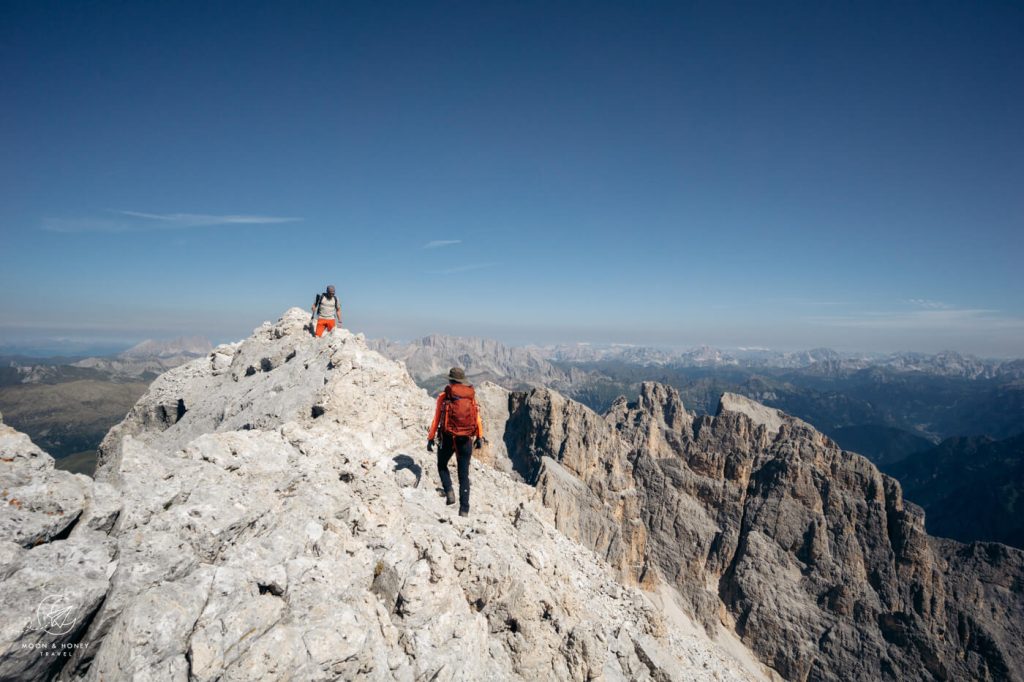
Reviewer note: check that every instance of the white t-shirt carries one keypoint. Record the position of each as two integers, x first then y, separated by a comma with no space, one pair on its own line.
327,308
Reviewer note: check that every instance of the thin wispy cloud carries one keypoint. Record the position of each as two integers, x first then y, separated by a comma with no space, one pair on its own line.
929,304
438,243
203,219
138,221
461,268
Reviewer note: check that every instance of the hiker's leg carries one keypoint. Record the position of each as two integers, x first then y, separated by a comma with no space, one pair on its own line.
463,458
320,324
444,453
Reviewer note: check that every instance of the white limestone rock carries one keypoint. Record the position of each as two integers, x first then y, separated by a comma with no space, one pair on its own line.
278,517
762,415
54,571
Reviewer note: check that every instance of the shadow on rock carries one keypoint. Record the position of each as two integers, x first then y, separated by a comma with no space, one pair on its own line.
405,463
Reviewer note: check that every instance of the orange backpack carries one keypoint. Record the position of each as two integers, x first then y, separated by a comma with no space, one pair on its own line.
460,410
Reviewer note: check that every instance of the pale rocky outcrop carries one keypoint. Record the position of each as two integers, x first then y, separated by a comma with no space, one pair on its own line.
269,512
770,418
55,558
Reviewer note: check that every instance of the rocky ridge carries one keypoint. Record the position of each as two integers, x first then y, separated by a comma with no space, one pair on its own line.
56,556
268,511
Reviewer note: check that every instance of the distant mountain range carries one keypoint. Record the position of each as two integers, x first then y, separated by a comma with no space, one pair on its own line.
143,361
824,361
429,359
926,396
150,358
894,409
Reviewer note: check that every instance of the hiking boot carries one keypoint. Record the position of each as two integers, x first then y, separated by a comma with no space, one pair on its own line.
449,496
463,512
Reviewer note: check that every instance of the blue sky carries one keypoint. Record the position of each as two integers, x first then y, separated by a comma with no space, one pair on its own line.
788,175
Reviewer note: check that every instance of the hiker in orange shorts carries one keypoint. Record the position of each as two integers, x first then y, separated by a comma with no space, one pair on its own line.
326,309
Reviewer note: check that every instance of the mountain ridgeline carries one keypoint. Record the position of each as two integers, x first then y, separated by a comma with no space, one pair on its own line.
889,408
882,402
268,512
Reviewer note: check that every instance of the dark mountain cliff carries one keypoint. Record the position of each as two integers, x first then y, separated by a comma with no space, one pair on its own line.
970,488
765,524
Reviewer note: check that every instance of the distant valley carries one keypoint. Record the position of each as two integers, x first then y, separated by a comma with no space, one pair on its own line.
67,405
970,488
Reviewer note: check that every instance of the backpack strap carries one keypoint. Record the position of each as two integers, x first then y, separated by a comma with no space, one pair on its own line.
448,398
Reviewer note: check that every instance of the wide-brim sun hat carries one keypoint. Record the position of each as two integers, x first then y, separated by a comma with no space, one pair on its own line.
457,374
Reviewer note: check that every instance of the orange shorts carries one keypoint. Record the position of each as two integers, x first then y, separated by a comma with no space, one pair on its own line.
324,324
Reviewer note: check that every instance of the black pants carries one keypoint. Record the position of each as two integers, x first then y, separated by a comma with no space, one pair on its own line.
463,449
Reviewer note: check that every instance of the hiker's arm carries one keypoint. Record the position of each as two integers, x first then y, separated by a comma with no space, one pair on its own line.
479,441
337,307
437,418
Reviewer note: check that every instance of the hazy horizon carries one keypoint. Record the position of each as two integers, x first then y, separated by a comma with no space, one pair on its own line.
792,176
71,345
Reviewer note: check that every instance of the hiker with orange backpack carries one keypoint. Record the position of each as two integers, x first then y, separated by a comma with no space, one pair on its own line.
457,416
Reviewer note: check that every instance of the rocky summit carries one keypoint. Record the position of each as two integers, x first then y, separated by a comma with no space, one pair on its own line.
269,512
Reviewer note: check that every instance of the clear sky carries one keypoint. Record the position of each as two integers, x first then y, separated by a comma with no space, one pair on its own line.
777,174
